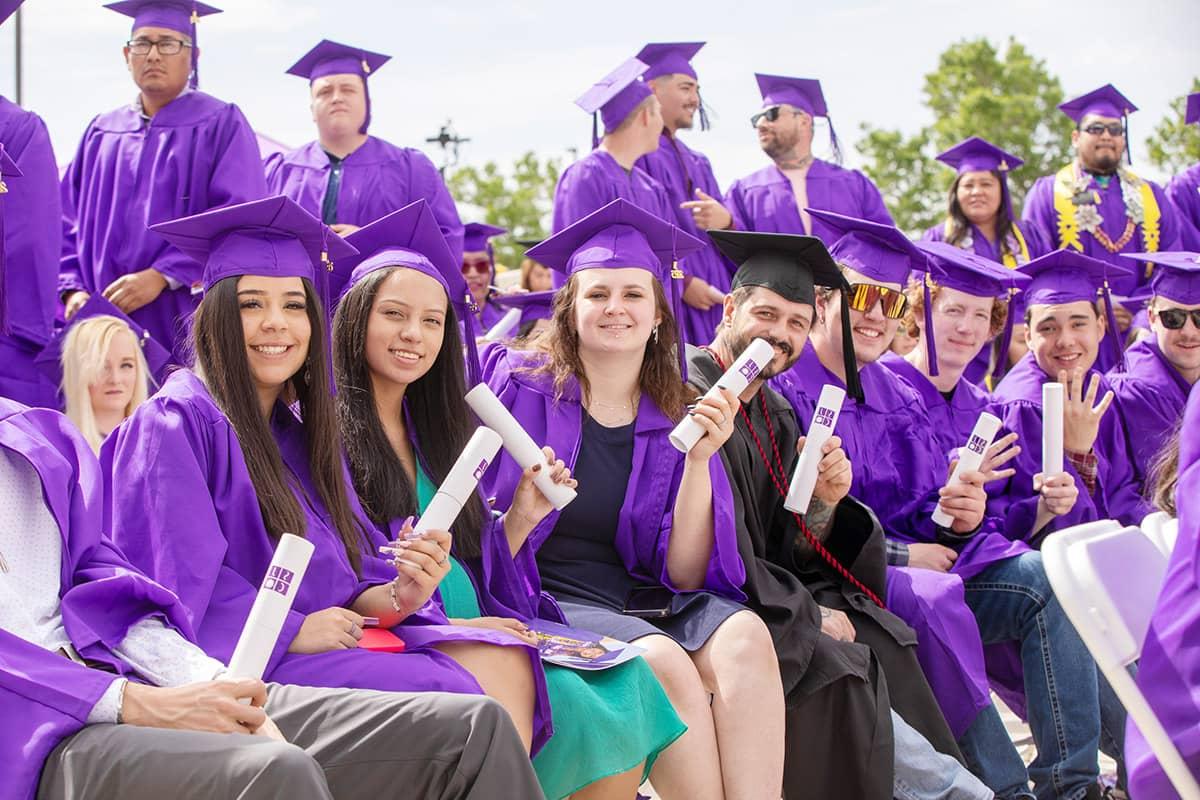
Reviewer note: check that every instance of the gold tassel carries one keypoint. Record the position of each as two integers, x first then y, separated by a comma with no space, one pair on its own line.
676,272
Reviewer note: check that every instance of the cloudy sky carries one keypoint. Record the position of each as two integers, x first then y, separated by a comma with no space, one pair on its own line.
507,78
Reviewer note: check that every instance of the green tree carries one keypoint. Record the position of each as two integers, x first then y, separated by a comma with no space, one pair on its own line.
1008,98
1175,145
520,199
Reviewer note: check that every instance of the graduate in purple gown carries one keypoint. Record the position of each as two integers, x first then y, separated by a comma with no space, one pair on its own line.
1065,331
1168,671
479,271
1184,188
651,530
347,177
1157,373
688,179
1097,206
963,587
775,199
173,151
632,122
980,220
536,310
211,470
31,230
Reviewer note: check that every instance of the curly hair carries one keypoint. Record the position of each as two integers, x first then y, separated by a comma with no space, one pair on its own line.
916,309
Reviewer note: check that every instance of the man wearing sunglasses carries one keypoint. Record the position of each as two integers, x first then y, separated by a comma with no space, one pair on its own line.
1158,372
174,151
1097,206
957,604
775,199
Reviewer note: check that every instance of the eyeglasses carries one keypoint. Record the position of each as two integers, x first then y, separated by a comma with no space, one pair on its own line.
1098,128
771,114
166,47
1175,318
864,296
477,265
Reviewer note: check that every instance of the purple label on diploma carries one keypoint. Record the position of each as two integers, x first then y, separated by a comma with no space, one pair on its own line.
824,417
977,444
482,468
279,580
749,370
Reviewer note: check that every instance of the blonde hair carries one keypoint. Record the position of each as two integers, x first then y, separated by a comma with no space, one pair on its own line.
84,350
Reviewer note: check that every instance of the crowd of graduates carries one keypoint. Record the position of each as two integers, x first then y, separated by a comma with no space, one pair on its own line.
248,347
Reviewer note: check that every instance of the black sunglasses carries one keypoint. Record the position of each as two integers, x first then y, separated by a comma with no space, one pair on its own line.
770,115
1098,128
1175,318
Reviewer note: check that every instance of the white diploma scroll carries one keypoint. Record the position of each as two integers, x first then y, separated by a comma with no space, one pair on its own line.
271,607
472,462
1052,429
518,443
970,457
736,379
824,418
504,328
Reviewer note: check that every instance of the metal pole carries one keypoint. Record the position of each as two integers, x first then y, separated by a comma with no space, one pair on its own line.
17,28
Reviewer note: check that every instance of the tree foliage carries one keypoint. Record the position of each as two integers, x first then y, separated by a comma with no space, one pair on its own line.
1008,98
1175,145
519,199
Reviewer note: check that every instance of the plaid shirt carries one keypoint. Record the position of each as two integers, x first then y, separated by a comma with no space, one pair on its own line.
897,553
1087,465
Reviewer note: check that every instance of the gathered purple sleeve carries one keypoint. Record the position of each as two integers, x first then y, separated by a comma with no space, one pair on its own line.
873,207
69,275
427,182
735,205
1170,232
1038,216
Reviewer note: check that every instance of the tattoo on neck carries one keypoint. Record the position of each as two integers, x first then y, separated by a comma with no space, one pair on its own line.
794,161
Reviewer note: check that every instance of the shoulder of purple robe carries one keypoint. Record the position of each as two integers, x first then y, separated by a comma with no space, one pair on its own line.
179,501
739,192
582,188
934,233
1038,216
869,199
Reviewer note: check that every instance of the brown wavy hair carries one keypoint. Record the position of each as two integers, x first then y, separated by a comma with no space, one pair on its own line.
219,348
916,309
1164,474
659,378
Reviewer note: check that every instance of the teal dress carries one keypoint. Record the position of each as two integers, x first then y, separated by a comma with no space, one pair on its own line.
605,722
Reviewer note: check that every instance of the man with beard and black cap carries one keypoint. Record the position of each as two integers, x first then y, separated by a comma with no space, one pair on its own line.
817,581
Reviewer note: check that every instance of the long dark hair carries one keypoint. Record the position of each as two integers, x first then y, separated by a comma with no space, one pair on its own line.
441,421
659,377
960,226
220,353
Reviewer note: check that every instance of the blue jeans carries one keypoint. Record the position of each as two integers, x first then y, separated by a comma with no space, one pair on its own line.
991,754
923,773
1012,601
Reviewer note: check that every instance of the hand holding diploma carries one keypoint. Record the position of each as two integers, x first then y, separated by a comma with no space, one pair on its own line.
529,504
421,562
834,471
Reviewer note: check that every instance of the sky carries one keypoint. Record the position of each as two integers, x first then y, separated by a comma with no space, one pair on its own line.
506,74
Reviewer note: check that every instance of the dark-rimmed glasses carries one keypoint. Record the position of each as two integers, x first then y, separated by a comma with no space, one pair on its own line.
1175,318
166,47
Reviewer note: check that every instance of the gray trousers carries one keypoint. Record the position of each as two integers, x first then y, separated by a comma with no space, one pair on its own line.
340,744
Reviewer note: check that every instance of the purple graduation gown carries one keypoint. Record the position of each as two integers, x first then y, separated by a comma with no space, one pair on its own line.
1151,395
32,240
183,508
898,470
377,178
45,697
1040,218
1184,191
681,171
195,154
1019,400
644,528
1169,669
764,201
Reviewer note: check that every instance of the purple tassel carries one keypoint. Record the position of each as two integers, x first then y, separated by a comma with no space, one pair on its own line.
704,121
3,266
675,291
1000,365
930,345
595,130
194,79
833,141
467,309
1114,333
1128,149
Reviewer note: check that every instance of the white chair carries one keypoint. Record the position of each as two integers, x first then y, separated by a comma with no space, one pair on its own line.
1107,579
1162,529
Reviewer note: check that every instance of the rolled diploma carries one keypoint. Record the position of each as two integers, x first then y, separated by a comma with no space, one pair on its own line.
1052,429
970,457
824,419
518,443
507,324
736,379
271,607
472,462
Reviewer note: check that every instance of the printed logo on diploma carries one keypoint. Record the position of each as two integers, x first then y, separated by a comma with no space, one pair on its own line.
824,417
279,580
977,444
749,370
482,468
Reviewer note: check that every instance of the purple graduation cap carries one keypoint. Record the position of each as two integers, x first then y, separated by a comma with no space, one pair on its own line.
975,154
332,58
955,268
1066,276
8,8
533,305
621,235
1104,102
1192,115
802,93
673,58
180,16
477,238
1177,277
878,251
614,97
8,169
410,237
49,360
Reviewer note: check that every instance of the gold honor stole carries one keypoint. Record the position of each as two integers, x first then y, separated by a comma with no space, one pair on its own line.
1008,259
1064,209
